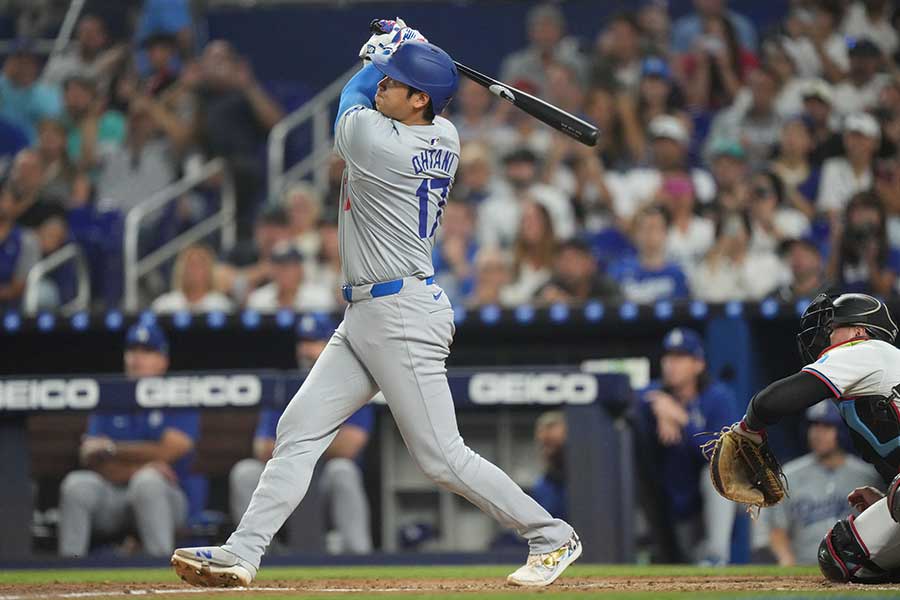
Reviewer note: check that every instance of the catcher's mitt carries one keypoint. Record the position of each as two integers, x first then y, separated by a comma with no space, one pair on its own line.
743,470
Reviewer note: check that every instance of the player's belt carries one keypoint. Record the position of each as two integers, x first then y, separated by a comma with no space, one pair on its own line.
355,293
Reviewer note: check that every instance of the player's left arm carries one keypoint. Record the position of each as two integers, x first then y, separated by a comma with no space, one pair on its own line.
359,91
787,396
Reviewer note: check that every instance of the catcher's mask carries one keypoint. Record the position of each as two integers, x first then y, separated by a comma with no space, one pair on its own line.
824,314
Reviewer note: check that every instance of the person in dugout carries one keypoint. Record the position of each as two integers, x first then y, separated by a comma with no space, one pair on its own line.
136,465
341,480
671,412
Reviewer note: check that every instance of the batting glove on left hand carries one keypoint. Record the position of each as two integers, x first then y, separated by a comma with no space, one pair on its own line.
387,35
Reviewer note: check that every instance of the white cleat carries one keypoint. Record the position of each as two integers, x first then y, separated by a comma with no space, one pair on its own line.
211,566
544,569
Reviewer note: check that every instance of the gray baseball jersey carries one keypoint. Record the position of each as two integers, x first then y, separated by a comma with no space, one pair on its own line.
818,499
395,187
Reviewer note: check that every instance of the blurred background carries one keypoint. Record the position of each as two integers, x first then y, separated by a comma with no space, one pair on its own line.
168,208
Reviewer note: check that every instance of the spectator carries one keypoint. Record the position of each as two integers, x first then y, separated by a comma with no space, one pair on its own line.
454,251
327,273
549,490
23,100
341,479
818,98
772,219
232,117
814,43
690,235
715,67
807,277
520,130
170,16
565,88
91,54
689,29
143,166
576,278
671,413
61,179
34,204
756,124
499,217
653,18
94,133
303,205
640,186
793,167
135,464
616,149
844,176
534,252
19,251
658,95
493,272
162,52
871,19
730,271
730,173
249,265
861,259
474,121
192,284
859,91
818,483
546,28
617,60
475,181
650,276
290,289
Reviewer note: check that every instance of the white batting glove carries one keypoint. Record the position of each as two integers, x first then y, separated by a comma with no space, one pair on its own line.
387,35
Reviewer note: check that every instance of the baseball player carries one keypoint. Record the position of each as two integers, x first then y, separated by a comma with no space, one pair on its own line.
341,480
848,345
397,328
819,483
136,464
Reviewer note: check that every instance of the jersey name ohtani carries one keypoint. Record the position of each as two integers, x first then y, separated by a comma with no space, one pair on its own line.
434,158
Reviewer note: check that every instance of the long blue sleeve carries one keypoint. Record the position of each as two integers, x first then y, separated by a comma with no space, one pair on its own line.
359,90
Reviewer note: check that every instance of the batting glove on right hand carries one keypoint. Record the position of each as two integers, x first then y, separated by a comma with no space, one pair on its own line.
387,35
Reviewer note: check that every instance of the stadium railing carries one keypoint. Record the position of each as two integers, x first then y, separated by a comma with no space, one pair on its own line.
319,113
38,273
223,220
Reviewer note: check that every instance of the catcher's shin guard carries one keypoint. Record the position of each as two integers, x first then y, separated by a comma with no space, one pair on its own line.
844,559
893,501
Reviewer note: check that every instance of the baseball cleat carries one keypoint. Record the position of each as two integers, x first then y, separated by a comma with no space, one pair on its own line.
544,569
211,566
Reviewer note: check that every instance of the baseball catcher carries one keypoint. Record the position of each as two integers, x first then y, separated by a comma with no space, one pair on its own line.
848,344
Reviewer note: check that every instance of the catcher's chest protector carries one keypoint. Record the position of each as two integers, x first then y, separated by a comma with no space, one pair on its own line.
874,423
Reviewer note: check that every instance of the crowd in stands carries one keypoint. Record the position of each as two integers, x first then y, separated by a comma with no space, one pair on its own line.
737,161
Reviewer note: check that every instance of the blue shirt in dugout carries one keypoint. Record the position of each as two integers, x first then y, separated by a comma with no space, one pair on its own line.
364,418
148,426
649,285
681,466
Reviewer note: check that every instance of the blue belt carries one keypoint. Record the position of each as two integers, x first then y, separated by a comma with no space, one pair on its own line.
378,290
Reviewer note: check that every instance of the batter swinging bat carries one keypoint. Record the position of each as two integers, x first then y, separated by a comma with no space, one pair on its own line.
543,111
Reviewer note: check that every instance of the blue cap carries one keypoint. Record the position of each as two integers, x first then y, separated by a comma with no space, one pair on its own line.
147,336
684,341
824,412
315,326
422,66
654,66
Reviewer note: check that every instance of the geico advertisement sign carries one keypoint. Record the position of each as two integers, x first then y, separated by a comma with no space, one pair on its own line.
207,390
533,388
49,394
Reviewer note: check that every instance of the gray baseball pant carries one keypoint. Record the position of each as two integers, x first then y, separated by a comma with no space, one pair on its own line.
341,482
397,344
91,504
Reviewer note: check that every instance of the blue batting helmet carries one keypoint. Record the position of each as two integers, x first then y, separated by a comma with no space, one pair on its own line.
422,66
315,327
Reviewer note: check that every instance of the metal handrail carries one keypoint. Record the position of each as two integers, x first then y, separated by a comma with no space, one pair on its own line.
224,219
318,110
55,46
45,266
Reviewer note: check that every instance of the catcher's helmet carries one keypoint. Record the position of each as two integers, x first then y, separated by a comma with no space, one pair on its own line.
422,66
824,314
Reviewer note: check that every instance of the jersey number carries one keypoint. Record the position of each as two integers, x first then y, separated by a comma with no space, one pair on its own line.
422,194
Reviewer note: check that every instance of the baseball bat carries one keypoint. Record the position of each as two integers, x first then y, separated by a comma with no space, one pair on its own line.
545,112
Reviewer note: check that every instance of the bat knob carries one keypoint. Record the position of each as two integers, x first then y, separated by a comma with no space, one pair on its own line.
374,26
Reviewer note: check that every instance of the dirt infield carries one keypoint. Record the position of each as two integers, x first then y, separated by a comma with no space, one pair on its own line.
330,587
